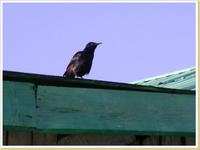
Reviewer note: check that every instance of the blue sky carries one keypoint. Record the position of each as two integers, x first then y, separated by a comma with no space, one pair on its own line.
140,40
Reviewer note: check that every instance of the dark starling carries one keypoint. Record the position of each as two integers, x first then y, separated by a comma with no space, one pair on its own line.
81,62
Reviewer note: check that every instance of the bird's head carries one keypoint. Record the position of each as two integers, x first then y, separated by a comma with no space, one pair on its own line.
92,45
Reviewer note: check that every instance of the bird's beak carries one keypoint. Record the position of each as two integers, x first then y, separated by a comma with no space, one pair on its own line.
99,43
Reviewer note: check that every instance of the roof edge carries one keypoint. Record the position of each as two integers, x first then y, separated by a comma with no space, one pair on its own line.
163,75
50,80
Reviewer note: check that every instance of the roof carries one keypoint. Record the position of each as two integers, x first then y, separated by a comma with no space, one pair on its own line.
182,79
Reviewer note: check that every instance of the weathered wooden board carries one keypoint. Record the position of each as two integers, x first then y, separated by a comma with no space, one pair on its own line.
72,110
86,110
18,105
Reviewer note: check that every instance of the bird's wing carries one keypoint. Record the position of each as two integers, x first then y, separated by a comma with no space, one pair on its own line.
70,68
75,58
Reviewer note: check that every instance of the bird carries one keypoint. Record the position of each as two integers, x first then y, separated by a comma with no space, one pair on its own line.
81,62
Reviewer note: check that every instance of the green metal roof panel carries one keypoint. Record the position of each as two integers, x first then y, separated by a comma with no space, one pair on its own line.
183,79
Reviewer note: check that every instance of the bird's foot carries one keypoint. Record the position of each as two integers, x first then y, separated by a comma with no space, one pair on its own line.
79,77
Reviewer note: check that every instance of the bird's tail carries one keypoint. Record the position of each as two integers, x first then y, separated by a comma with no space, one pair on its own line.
67,74
64,75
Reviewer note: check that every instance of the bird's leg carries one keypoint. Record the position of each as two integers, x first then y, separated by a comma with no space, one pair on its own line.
79,77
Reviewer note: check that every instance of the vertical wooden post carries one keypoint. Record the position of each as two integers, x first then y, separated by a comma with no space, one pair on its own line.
19,138
5,137
190,140
44,139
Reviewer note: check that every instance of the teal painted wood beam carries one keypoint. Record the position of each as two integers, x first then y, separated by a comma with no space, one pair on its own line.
51,104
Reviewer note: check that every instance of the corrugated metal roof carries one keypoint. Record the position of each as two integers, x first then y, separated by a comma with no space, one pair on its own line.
182,79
